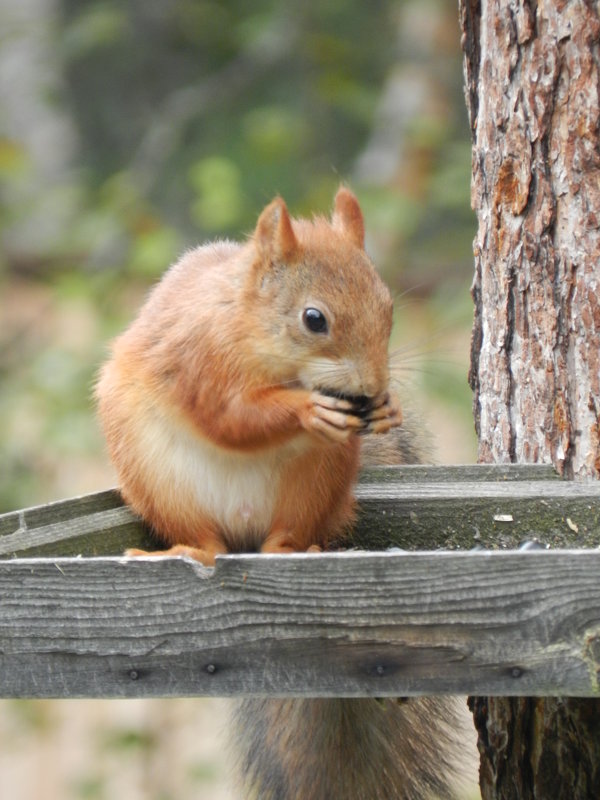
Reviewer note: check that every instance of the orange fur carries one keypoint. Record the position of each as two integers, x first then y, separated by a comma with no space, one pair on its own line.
218,402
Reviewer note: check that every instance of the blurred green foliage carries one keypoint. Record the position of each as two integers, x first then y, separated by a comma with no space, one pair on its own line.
134,130
131,130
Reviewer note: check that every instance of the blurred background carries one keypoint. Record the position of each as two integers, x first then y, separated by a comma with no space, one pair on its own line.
132,129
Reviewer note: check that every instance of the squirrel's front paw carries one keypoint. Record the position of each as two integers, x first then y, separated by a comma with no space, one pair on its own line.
332,418
384,415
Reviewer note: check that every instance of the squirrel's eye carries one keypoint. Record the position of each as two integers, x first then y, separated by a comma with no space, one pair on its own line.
314,320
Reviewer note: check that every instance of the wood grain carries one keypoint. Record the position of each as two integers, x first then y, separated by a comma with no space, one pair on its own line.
455,473
463,515
345,624
416,507
91,525
349,624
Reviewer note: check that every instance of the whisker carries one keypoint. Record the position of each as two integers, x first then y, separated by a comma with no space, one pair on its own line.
431,360
430,338
423,370
424,345
410,291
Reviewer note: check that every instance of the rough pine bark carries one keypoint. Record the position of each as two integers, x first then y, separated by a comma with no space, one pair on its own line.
532,89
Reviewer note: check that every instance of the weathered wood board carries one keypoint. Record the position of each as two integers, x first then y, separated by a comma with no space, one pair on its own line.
344,624
77,619
93,525
492,514
416,507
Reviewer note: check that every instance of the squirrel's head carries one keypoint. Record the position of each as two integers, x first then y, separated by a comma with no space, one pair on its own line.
323,313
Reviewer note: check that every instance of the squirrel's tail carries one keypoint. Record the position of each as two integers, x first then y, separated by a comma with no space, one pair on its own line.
352,749
346,749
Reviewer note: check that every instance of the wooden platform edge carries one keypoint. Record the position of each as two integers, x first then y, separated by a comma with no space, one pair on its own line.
412,507
344,624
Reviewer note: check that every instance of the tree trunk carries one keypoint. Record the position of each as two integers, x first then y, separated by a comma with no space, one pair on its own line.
532,89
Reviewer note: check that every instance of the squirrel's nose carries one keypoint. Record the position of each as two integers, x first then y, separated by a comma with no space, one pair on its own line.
376,383
373,388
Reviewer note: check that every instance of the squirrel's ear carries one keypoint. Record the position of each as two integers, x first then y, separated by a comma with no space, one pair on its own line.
347,216
274,234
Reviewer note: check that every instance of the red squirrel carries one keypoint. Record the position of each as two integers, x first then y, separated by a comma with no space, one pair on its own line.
235,409
233,403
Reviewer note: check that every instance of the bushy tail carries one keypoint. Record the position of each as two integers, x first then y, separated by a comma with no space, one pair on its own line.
346,749
358,749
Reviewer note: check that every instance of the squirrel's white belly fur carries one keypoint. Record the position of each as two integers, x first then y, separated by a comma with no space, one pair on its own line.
237,490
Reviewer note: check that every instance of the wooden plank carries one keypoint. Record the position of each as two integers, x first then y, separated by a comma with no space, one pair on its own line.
455,473
395,511
91,525
369,624
60,510
491,514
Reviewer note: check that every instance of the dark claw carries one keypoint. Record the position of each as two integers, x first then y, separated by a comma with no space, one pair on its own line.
361,404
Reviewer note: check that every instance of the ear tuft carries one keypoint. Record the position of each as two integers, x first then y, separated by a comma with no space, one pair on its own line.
274,235
347,216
